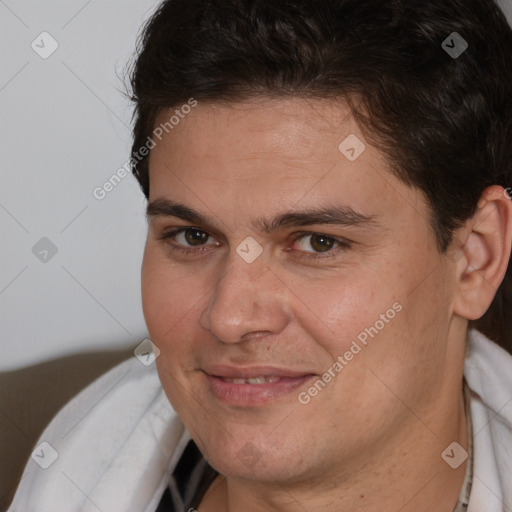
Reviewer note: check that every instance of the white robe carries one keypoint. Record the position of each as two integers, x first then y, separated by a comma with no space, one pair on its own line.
119,439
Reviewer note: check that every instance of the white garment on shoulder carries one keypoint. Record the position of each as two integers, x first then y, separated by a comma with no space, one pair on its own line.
118,440
115,441
488,371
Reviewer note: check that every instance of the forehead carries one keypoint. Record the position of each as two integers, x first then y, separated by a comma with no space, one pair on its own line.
286,129
267,153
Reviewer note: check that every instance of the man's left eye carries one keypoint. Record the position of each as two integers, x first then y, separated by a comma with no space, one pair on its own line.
192,237
317,242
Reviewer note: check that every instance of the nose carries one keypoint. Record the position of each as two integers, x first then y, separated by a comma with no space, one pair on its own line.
248,299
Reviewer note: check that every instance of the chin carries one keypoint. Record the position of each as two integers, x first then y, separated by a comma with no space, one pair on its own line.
254,457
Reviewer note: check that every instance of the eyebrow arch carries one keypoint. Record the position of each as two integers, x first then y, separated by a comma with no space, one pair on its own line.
166,208
338,215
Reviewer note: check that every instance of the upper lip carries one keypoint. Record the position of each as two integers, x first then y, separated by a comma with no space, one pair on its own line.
247,372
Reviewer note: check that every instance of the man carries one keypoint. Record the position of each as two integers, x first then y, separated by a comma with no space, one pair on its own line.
328,216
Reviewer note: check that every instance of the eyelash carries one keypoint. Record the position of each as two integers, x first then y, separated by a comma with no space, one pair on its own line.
342,244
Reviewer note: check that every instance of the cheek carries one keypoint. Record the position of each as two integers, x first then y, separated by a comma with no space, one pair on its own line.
338,310
169,297
374,322
407,357
170,309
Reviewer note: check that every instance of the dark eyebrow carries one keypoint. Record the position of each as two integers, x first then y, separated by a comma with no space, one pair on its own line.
167,208
339,215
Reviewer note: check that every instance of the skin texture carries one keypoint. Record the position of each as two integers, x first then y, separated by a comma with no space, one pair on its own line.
372,438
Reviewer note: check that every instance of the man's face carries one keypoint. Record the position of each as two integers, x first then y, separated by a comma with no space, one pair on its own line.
218,310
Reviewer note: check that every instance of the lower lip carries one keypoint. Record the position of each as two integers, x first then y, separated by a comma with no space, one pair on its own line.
253,394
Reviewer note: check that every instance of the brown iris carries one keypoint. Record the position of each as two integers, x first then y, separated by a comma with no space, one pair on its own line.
195,236
321,243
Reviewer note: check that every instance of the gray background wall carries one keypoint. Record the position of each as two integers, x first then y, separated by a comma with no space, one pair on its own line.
64,130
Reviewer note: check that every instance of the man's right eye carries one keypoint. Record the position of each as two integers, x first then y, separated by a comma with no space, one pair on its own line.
185,239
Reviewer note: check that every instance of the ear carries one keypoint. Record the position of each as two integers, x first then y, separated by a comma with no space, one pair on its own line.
485,253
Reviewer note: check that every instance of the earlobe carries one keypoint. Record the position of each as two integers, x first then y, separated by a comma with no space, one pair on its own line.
487,249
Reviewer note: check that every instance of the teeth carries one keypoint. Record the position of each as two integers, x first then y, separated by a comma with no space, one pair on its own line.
256,380
253,380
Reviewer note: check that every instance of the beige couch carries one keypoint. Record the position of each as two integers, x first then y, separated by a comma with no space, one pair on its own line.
31,396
